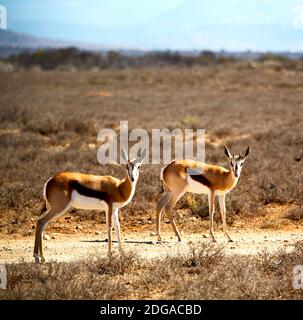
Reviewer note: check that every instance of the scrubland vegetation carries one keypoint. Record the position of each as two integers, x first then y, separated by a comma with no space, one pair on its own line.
49,120
204,272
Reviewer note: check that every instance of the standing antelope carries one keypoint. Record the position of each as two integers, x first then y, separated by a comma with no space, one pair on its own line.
90,192
182,176
299,158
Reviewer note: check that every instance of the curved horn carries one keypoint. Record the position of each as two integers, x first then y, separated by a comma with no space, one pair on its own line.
227,153
141,159
124,155
143,155
246,153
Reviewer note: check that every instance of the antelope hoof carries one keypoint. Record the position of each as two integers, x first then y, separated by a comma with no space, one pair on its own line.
37,258
209,237
213,238
229,239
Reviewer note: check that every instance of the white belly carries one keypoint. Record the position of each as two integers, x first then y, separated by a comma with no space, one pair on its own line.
87,203
196,187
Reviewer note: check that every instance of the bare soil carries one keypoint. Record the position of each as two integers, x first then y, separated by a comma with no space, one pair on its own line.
74,247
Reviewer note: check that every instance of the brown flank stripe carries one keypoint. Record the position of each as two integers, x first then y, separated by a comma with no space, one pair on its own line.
201,179
88,192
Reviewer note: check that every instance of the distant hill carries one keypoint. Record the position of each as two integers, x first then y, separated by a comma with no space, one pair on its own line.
14,43
11,39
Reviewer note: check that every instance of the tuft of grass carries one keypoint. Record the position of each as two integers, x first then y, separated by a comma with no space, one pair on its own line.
200,272
116,265
190,121
295,214
196,205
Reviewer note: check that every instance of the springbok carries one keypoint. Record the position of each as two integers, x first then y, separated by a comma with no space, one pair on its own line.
299,158
181,176
88,192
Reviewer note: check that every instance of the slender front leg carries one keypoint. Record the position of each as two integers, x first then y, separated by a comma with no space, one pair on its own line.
117,228
38,250
160,206
173,200
109,214
158,224
223,215
211,205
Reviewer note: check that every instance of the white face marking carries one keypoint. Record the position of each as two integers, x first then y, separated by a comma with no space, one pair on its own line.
133,166
133,169
236,164
136,171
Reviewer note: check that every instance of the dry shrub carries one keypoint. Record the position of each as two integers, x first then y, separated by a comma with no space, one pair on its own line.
50,124
223,132
190,121
197,205
204,255
201,272
266,276
158,274
89,279
116,265
295,214
200,255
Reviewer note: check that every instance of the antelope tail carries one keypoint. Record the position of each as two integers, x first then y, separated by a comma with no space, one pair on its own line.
161,179
43,207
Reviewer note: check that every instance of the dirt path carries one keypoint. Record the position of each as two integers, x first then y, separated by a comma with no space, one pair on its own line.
76,247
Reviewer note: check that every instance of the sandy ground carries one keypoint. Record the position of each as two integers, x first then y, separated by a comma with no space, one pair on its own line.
76,247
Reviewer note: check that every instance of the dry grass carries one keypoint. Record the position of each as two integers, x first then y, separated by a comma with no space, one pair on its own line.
203,272
49,122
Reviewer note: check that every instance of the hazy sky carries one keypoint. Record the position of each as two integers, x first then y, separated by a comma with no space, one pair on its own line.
163,24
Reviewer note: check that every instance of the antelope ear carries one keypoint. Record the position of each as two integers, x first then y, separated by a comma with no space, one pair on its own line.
124,155
227,153
246,153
